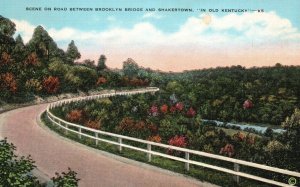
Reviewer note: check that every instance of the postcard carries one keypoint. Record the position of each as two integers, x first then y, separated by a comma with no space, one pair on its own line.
149,93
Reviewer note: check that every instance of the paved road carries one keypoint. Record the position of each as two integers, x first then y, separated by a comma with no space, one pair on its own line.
53,153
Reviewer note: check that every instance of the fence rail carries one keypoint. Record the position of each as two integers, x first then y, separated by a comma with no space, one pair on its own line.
149,151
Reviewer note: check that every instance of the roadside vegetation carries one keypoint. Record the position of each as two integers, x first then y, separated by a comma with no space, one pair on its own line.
16,170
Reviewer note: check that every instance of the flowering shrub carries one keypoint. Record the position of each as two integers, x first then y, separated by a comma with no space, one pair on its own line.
155,138
179,106
75,116
101,80
173,109
153,110
191,112
51,84
178,141
93,124
164,108
247,104
227,150
8,82
128,124
238,136
133,128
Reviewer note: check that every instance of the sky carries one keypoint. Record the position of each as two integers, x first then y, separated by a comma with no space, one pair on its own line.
168,40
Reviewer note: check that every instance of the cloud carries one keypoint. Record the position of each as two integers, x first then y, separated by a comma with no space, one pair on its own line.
200,37
24,28
151,15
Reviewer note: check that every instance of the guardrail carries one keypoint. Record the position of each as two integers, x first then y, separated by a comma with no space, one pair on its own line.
149,152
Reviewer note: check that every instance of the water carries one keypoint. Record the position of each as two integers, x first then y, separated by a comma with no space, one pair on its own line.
244,126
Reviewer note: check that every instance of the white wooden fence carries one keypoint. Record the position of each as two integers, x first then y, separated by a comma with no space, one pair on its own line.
149,152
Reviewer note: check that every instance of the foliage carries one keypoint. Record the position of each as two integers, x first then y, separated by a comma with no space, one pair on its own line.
8,82
178,141
130,68
101,63
32,60
101,80
16,171
33,85
72,52
51,84
66,179
133,128
7,30
227,150
155,138
291,139
75,116
191,112
164,109
93,124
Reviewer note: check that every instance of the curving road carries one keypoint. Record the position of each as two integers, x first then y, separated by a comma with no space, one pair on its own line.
53,153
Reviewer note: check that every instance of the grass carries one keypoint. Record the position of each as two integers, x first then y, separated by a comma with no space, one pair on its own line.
200,173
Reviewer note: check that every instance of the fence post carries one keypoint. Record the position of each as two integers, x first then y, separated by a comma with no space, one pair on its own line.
66,130
120,144
79,135
96,134
149,154
237,169
187,157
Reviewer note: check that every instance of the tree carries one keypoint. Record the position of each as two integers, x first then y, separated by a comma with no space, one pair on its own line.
81,77
130,68
89,63
72,53
19,49
51,84
40,42
101,63
291,138
7,30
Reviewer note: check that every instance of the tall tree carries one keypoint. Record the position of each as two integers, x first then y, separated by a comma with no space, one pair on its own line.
7,30
19,49
44,46
291,138
72,53
130,68
101,62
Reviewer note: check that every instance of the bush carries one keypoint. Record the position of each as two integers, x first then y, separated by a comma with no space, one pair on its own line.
75,116
16,171
51,84
66,179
